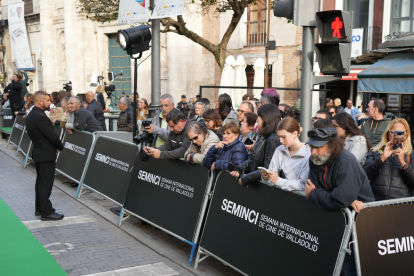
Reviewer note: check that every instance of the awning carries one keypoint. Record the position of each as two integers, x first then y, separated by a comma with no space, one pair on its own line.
392,74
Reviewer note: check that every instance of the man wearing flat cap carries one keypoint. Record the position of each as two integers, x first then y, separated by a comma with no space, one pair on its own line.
183,106
336,179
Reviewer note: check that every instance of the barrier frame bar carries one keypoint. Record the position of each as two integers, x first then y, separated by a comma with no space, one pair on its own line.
27,159
8,141
201,217
87,160
82,186
372,205
341,255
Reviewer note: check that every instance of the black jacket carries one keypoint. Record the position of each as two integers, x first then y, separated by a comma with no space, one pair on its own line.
15,91
45,140
183,107
101,99
339,182
261,156
96,109
388,180
85,121
176,145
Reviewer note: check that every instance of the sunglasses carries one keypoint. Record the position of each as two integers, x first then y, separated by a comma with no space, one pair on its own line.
194,138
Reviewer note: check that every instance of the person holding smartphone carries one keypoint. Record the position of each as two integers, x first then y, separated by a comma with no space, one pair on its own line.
388,164
289,168
266,143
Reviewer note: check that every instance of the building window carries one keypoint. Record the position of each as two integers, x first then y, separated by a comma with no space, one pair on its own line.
360,9
256,24
402,16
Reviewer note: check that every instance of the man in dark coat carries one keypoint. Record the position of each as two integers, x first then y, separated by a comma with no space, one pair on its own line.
336,179
46,144
183,106
14,91
96,109
125,120
84,120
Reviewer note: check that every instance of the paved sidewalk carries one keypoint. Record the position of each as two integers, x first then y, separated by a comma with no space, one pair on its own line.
88,241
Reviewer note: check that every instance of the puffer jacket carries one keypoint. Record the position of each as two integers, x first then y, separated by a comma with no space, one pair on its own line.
261,156
234,153
231,117
197,153
388,180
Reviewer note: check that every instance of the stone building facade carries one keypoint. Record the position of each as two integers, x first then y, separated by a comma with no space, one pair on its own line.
66,46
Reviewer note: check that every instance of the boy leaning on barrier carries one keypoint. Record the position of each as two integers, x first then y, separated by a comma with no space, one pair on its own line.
336,179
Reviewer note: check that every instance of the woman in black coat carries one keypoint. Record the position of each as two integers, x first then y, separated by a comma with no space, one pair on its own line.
388,165
265,146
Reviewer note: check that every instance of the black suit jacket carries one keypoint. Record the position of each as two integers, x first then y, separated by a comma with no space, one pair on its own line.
44,138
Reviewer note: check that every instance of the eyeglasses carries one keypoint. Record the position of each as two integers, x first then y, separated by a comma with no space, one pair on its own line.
258,103
194,139
207,120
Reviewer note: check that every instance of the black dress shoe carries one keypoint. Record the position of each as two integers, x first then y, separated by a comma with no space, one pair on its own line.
37,214
54,216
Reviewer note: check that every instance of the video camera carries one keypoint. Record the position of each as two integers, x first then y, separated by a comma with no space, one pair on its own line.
68,86
144,137
109,89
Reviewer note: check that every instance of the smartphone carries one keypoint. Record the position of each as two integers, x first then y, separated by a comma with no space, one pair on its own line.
398,139
264,170
231,167
248,141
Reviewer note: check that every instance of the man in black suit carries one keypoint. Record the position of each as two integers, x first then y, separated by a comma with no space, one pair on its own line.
46,144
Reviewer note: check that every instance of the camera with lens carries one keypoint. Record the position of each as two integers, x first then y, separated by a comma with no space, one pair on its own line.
68,86
144,136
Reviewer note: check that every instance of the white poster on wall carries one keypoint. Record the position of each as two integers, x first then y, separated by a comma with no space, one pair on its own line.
357,36
133,11
168,8
18,37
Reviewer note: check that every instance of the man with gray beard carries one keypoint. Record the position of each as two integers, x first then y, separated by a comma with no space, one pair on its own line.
336,179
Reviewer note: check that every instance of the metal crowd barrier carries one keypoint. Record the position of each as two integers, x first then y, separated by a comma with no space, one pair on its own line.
387,224
17,131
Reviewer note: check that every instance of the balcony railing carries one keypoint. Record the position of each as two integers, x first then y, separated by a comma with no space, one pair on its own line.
256,33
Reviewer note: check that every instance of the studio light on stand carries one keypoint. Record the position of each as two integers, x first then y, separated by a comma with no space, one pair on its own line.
135,41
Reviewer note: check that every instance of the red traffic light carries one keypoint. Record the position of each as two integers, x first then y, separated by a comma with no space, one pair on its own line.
337,26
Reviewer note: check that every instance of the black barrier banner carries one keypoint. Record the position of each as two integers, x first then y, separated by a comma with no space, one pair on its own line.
386,240
8,118
110,166
17,130
72,160
266,231
168,193
58,130
25,143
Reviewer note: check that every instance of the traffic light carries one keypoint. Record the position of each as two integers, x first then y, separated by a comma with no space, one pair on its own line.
299,11
334,53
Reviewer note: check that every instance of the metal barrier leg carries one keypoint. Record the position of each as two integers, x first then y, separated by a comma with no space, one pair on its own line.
79,190
356,248
17,151
345,241
121,214
193,250
25,162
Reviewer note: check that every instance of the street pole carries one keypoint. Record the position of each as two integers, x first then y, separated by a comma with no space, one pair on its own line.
155,65
266,46
134,121
307,81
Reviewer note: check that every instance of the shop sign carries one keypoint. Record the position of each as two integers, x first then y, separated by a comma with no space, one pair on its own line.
393,100
407,100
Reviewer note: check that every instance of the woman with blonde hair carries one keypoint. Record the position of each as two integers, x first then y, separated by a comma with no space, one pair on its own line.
143,109
388,164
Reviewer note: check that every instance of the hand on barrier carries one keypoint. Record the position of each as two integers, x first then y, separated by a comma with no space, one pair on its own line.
213,167
235,173
357,205
309,187
70,131
156,153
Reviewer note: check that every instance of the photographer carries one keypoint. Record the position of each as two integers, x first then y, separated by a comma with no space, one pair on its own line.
14,91
159,124
126,116
177,142
388,164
